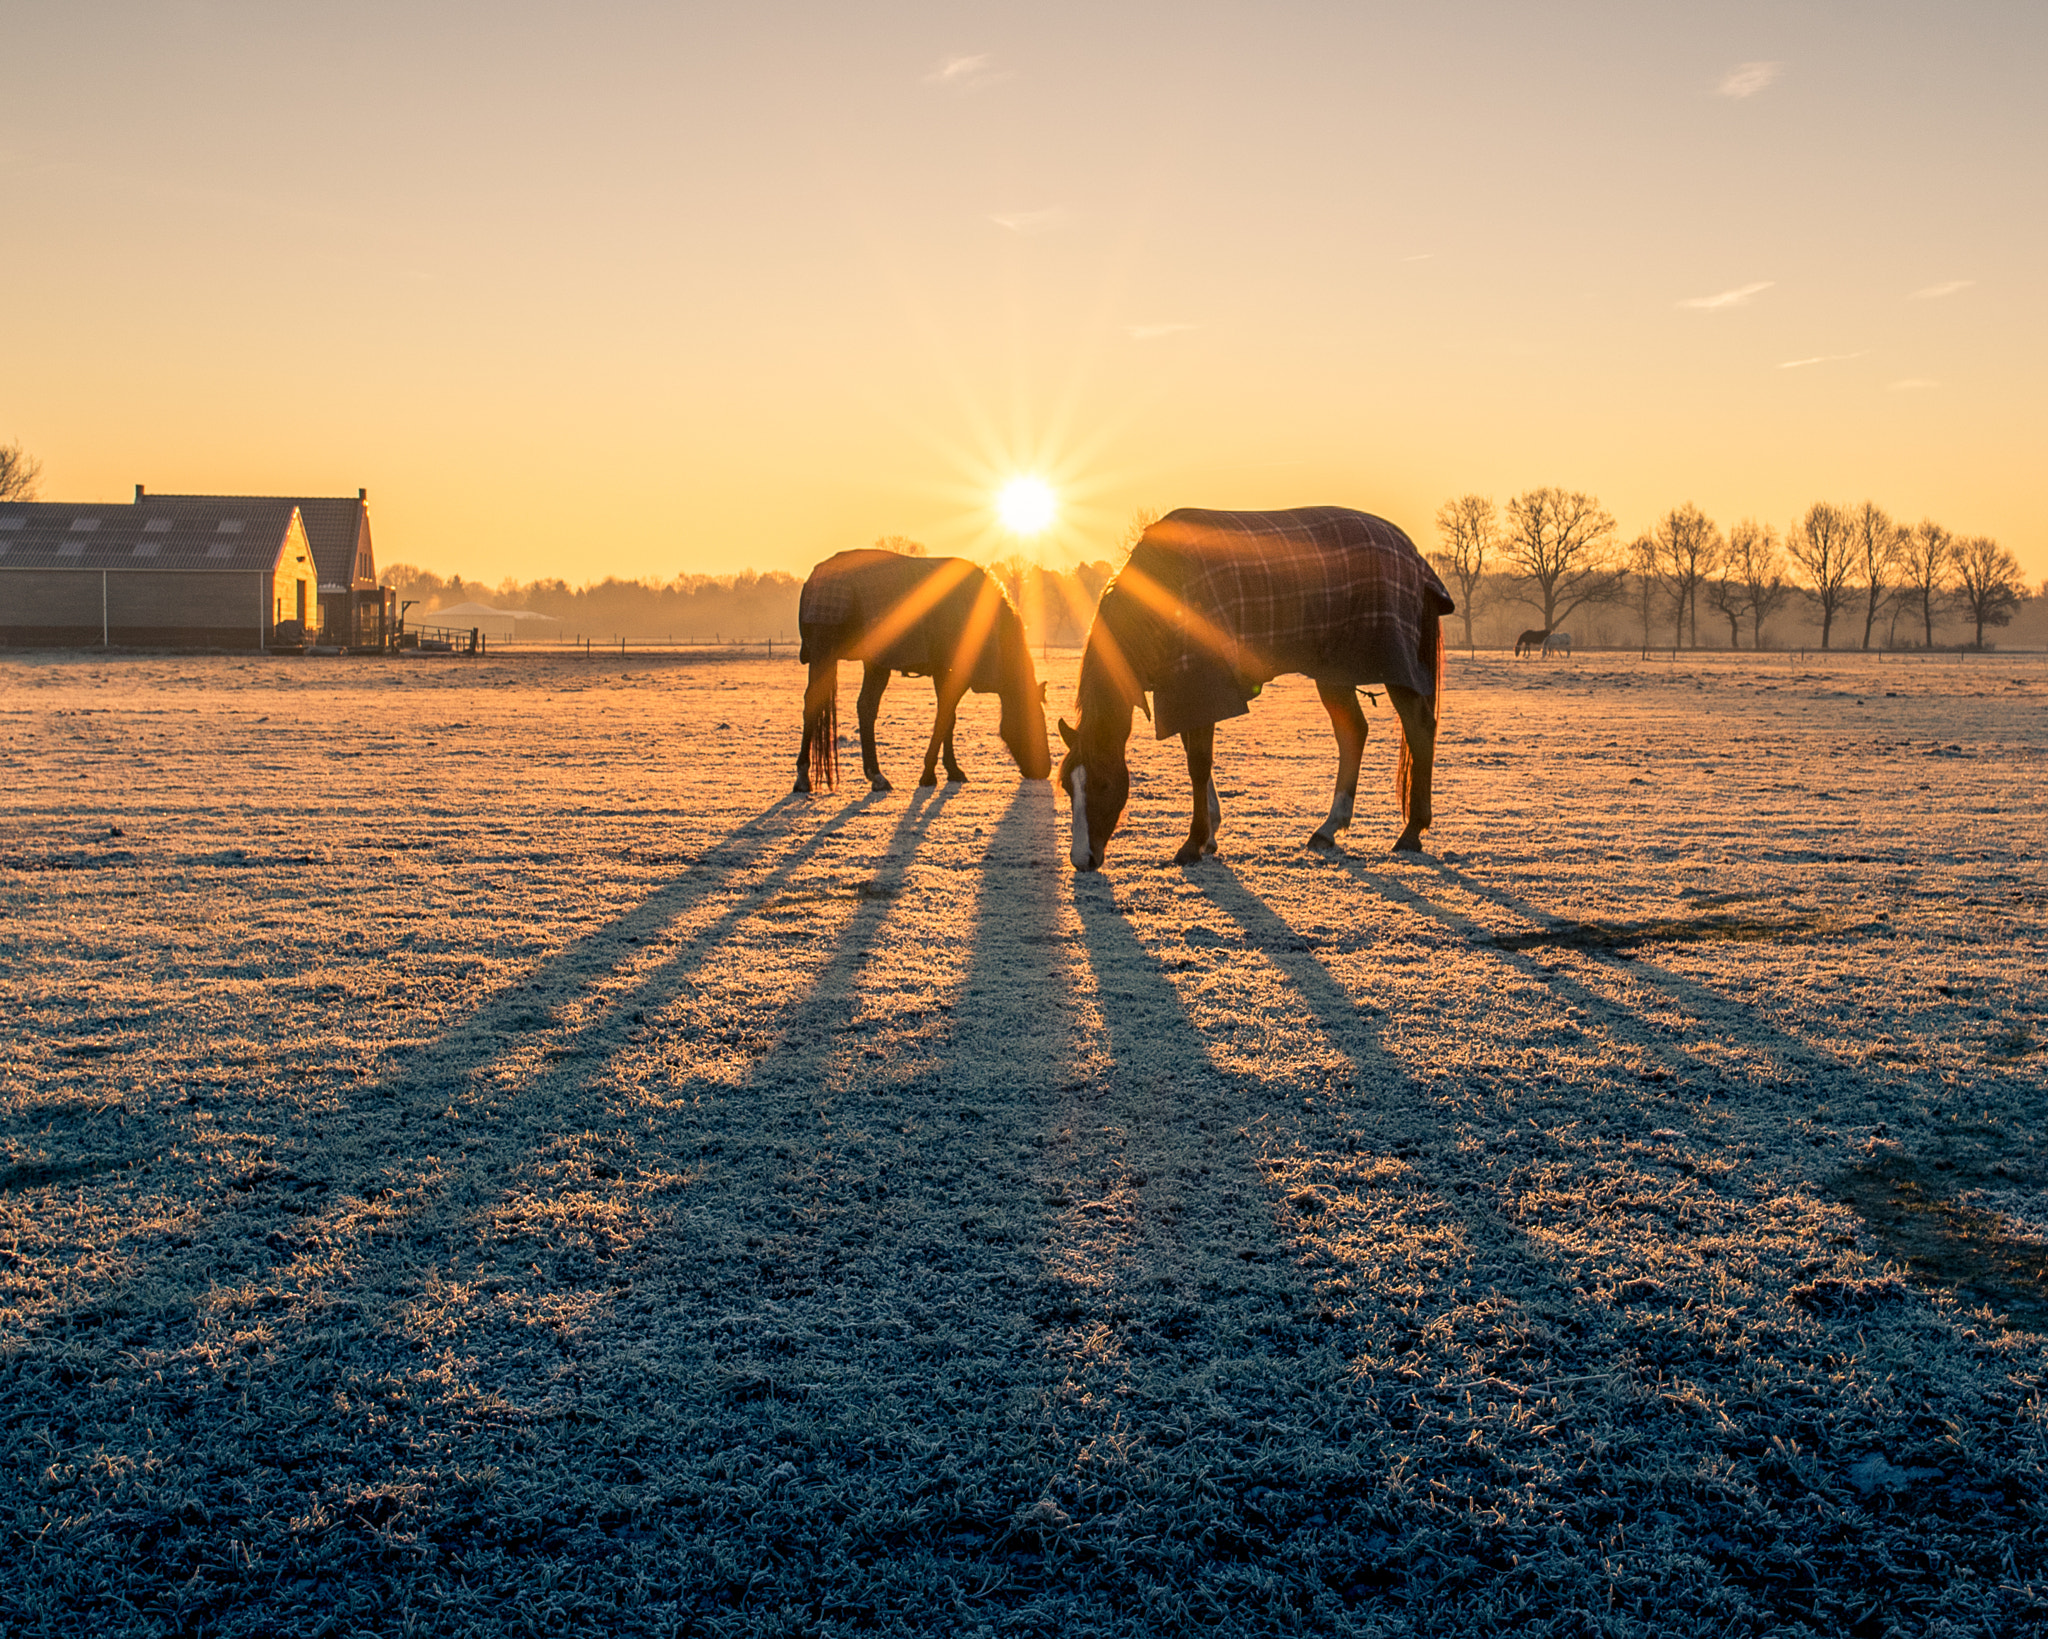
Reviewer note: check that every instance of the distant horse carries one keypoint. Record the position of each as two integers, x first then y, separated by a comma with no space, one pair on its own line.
942,618
1213,604
1532,641
1557,643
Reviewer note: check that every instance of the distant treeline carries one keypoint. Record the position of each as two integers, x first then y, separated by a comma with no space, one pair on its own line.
1837,577
1840,577
1056,605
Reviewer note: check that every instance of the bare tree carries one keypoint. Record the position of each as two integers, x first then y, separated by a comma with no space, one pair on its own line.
1820,544
1925,558
902,544
1727,594
18,474
1687,547
1470,528
1141,519
1988,583
1876,541
1758,567
1561,542
1642,570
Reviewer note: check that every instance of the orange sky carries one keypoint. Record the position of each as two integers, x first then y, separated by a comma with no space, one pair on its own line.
646,289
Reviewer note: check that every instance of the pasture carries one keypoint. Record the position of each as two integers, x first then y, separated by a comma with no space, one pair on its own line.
504,1165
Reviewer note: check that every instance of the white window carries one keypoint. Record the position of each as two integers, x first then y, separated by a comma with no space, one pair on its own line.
156,526
227,526
84,526
148,549
221,549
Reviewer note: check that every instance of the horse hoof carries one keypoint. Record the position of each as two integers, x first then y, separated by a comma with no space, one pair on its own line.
1188,856
802,788
878,785
1323,844
1408,842
956,779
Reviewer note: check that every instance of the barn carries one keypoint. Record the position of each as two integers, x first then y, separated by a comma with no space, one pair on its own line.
355,612
208,571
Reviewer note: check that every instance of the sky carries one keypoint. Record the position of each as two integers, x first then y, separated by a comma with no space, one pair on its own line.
660,289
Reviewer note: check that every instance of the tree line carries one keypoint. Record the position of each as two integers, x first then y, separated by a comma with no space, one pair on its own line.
1559,550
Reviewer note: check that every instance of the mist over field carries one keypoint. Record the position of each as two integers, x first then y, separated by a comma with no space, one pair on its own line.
503,1162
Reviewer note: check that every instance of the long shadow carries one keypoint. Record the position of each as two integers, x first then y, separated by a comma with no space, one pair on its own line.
395,1110
1909,1202
1391,1114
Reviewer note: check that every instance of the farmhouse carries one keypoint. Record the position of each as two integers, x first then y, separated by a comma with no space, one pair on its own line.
211,571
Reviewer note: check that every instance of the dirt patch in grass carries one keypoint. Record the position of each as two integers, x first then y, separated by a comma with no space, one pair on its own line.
1913,1205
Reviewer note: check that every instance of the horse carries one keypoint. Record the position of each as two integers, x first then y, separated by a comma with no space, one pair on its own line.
1558,643
1209,607
943,618
1532,641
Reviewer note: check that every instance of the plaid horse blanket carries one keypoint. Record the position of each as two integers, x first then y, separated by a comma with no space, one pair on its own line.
1242,597
908,614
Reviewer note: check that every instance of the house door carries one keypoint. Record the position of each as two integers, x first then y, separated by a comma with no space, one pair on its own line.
302,603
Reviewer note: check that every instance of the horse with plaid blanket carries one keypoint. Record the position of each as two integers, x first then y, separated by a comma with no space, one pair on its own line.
942,618
1210,607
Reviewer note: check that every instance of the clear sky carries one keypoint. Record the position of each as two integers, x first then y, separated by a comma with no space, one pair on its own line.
644,289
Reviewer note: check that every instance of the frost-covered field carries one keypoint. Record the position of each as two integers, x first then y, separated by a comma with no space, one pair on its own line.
481,1157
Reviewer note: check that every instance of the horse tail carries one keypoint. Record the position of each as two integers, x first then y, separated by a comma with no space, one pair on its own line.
825,739
1430,651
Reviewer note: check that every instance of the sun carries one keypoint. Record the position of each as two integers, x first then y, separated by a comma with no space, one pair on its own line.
1026,505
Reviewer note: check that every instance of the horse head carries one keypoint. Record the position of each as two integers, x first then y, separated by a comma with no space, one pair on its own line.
1097,780
1023,696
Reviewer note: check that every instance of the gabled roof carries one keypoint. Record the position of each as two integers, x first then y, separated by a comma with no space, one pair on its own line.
215,535
336,525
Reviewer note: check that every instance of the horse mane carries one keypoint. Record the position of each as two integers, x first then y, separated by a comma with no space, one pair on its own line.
1122,640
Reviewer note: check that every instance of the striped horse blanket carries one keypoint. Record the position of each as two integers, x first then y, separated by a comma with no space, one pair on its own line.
904,613
1239,598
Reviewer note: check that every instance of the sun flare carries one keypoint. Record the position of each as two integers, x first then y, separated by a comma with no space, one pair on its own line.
1026,505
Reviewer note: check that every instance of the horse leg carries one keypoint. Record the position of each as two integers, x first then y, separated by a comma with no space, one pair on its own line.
1418,729
1341,702
953,774
950,687
817,697
1200,745
874,679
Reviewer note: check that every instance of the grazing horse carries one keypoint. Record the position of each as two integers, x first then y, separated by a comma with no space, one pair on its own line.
942,618
1557,643
1213,604
1532,641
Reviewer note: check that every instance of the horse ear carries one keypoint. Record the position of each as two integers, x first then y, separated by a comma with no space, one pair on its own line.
1066,734
1041,693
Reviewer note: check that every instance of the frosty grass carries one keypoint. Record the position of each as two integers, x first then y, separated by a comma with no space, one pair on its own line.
481,1157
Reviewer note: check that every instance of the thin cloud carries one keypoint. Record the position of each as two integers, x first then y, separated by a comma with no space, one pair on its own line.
1745,80
1738,297
1819,358
1028,221
1912,384
965,73
1936,292
1152,332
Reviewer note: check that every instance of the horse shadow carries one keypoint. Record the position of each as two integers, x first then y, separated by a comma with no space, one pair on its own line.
325,1186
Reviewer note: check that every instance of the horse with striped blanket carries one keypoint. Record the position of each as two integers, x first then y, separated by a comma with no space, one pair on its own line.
1212,605
942,618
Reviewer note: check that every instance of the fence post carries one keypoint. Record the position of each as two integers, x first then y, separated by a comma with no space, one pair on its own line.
103,610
